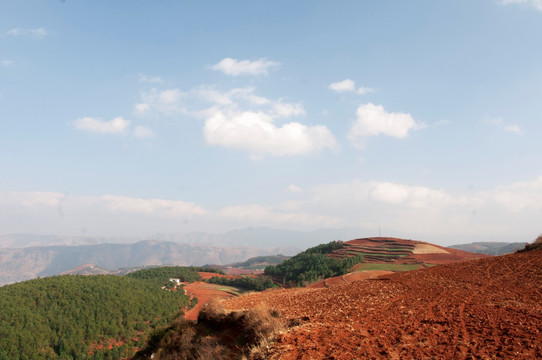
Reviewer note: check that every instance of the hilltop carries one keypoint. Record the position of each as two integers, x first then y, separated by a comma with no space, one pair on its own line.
485,308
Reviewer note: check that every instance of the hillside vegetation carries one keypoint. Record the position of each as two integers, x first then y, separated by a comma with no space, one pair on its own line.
162,274
313,264
79,317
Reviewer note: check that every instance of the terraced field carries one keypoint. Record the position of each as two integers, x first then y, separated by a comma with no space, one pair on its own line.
385,250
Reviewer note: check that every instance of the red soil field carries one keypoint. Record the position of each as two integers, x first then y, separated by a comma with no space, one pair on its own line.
204,292
481,309
349,278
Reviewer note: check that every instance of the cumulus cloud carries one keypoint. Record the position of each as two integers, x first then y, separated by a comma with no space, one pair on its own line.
31,33
536,4
247,95
142,132
234,67
7,62
166,102
342,86
374,120
116,126
256,133
281,109
348,85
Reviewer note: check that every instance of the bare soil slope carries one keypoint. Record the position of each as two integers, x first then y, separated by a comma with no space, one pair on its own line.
483,309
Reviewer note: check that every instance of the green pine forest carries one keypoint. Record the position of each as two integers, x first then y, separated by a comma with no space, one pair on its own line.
312,265
76,317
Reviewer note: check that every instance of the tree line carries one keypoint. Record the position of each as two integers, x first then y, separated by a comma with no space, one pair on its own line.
312,265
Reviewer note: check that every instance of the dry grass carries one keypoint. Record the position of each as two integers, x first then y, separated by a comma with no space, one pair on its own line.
218,334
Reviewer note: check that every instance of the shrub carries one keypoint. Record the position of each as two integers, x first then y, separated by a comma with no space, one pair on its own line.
218,334
536,245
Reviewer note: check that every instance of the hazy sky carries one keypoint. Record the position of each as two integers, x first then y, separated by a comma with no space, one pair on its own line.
130,118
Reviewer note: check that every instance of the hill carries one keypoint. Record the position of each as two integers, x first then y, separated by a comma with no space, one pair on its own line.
486,308
368,254
491,248
83,317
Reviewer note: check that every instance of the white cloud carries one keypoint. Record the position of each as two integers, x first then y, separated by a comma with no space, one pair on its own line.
234,67
256,133
519,196
513,129
142,108
7,62
151,206
293,189
536,4
342,86
269,216
161,101
348,85
210,94
421,212
374,120
32,33
150,79
365,90
281,109
116,126
142,132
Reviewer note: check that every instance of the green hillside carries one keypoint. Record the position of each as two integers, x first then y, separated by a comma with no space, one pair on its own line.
80,317
313,264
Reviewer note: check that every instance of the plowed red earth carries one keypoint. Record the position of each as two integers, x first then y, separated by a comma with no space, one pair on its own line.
481,309
204,292
349,278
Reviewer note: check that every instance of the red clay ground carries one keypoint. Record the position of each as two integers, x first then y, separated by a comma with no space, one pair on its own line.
482,309
204,292
349,278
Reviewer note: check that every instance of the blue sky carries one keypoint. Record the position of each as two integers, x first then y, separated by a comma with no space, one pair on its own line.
135,117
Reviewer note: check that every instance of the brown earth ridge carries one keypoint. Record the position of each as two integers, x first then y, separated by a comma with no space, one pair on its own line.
488,308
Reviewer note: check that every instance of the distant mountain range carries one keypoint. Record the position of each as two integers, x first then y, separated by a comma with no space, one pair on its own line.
252,237
491,248
27,263
26,256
